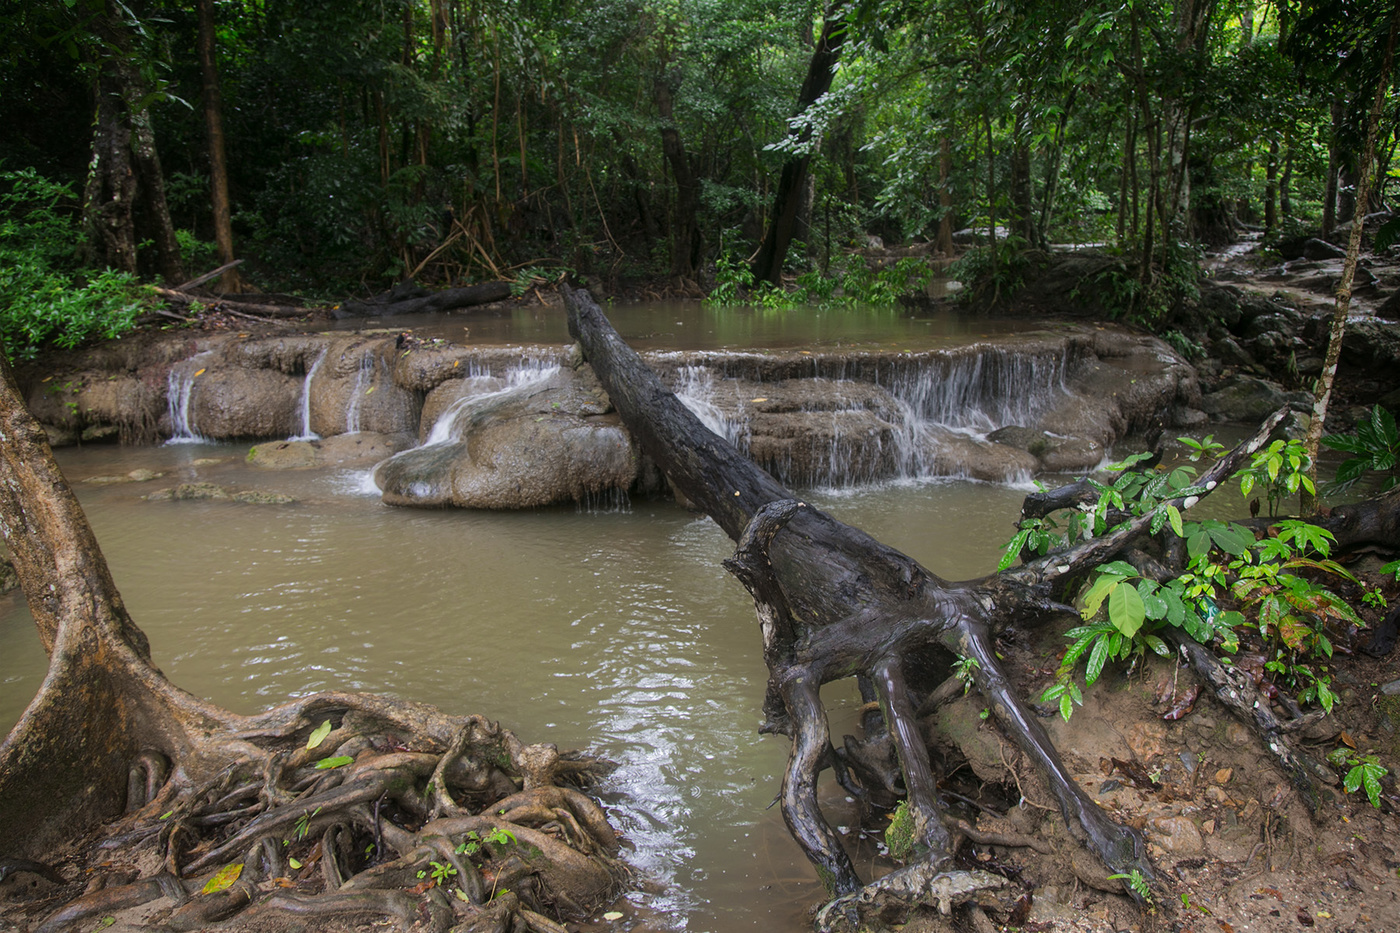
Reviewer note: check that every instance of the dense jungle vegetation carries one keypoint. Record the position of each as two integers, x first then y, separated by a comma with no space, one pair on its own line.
338,147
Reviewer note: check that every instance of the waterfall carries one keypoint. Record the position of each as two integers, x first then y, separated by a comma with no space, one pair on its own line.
879,417
306,434
696,390
482,389
364,383
981,389
179,386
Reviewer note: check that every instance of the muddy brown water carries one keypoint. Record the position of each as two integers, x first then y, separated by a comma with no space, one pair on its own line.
614,629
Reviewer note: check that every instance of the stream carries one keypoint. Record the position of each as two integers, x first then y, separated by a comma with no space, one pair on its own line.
616,630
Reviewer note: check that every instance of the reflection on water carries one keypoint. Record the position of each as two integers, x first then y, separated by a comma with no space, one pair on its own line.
616,630
692,326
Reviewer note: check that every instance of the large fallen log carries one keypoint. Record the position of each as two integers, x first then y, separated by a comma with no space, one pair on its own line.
834,603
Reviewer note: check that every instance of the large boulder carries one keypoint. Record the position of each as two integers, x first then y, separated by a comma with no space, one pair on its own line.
1250,400
236,402
545,440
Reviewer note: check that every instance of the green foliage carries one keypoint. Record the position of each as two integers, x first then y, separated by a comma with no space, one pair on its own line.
1136,883
1281,469
1361,771
44,295
1269,581
1375,447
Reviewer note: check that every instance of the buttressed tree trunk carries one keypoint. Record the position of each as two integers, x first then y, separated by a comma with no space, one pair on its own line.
834,603
335,780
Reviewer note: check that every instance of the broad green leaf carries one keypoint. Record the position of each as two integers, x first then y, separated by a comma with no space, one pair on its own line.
1094,598
1097,657
319,735
339,761
224,878
295,863
1174,516
1125,610
1154,604
1198,543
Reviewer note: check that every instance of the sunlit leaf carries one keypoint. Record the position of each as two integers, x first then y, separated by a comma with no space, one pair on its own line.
224,878
339,761
319,735
1125,610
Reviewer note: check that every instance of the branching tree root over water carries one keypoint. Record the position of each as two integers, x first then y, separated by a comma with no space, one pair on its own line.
333,806
834,603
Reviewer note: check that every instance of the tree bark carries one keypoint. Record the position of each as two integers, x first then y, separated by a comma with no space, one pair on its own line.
232,281
787,199
685,235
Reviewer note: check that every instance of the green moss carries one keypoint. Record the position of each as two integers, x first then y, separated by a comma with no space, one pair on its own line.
899,835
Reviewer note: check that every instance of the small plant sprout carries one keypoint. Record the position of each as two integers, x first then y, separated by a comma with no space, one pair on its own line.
442,873
962,670
1136,882
1362,771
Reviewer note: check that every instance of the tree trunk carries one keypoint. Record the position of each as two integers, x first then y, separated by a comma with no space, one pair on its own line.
787,199
126,191
685,234
187,787
834,603
231,282
1322,393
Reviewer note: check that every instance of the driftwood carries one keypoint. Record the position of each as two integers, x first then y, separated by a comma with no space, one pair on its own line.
834,603
406,299
334,804
246,308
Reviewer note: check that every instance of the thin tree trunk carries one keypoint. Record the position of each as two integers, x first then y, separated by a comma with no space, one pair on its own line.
231,281
1322,394
685,234
945,197
1271,189
787,200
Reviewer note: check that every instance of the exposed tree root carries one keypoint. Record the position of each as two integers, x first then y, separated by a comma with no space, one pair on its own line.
330,804
834,603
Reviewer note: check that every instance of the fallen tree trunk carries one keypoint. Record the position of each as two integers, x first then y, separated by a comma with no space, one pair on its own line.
348,800
252,308
834,603
422,301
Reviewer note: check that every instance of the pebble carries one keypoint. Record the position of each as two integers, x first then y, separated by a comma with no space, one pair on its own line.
1223,775
1391,689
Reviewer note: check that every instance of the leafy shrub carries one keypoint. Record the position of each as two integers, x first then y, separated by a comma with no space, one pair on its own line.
1374,447
44,296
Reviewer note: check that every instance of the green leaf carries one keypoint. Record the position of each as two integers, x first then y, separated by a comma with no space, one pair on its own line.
224,878
1174,516
293,862
1125,610
319,735
339,761
1094,598
1198,543
1097,657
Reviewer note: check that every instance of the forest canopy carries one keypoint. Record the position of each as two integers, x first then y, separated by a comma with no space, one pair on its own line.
364,141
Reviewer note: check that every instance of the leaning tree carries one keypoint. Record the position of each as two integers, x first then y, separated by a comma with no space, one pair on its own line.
834,603
124,791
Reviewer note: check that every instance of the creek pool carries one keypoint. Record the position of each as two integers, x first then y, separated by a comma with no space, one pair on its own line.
614,629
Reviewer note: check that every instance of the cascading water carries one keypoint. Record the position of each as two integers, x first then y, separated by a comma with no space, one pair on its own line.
179,387
364,382
913,416
306,434
481,389
696,390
